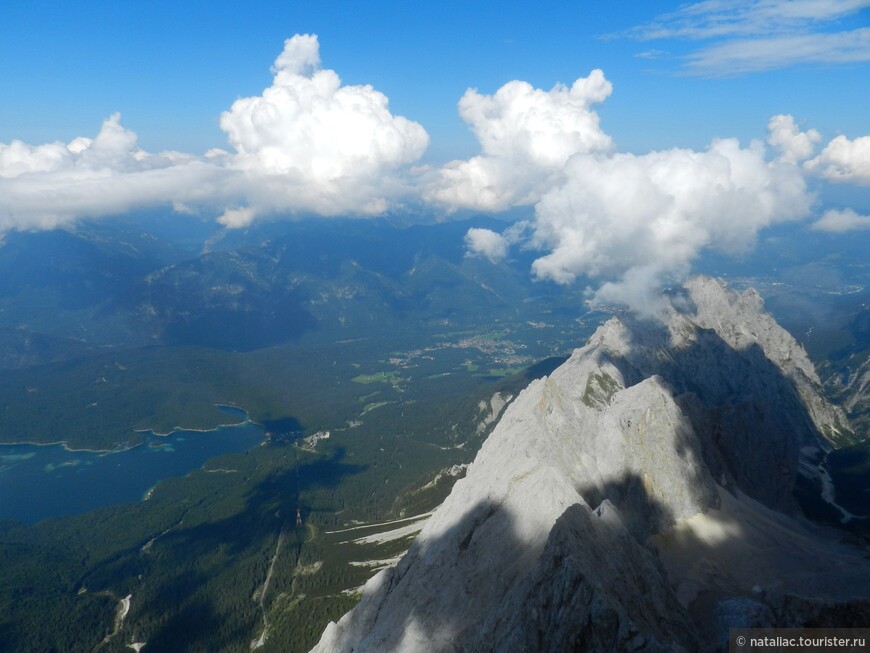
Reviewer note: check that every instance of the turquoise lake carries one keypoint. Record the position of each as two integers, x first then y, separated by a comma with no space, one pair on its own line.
37,482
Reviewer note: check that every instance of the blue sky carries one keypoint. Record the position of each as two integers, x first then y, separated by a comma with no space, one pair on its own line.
627,138
171,68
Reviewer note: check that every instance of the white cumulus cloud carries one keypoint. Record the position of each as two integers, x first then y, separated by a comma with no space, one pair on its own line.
627,223
48,185
656,212
237,218
795,145
485,242
308,143
835,221
17,158
493,245
844,160
526,136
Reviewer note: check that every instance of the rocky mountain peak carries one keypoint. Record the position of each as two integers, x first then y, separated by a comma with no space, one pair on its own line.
556,537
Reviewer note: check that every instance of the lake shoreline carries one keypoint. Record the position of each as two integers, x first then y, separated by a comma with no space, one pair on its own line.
48,480
120,449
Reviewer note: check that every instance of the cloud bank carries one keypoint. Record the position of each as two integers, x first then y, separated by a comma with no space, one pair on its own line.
308,144
48,185
662,206
622,223
625,223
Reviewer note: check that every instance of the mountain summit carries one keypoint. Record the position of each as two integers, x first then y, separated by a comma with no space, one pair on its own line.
641,497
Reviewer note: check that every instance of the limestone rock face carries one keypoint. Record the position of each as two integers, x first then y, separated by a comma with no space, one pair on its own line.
850,382
740,320
547,543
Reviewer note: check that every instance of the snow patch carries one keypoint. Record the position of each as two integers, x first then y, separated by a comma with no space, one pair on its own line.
384,523
390,536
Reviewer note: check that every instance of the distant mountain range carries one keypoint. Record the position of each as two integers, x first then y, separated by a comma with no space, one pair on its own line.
195,315
66,293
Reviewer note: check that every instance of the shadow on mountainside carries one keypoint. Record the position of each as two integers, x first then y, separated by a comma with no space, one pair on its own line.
593,585
481,586
748,417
